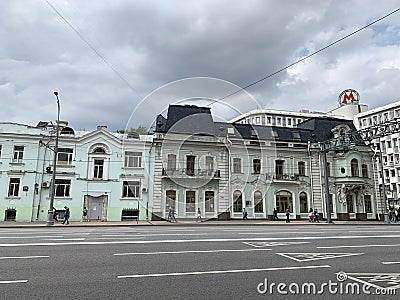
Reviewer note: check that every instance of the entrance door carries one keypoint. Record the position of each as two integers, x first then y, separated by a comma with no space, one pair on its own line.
95,207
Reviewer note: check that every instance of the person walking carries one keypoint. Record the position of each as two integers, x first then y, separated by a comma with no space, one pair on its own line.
275,214
244,214
66,216
287,215
316,215
84,214
311,215
199,215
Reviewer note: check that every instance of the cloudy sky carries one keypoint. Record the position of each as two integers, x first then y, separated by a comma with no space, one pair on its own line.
122,61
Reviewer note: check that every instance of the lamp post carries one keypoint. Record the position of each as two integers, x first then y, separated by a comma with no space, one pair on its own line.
50,217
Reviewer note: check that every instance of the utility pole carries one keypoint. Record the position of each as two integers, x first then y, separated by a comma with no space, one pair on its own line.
50,216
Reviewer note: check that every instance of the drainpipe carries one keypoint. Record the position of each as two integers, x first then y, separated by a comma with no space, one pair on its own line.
41,180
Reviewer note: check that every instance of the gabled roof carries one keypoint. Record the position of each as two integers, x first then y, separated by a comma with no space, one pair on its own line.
322,127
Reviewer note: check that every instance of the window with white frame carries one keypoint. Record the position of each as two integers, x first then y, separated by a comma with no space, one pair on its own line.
209,165
63,187
301,168
258,202
98,168
18,154
64,156
133,159
13,187
131,189
237,165
209,201
171,162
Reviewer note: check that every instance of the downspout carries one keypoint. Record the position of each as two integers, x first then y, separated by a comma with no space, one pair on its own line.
311,177
148,180
40,185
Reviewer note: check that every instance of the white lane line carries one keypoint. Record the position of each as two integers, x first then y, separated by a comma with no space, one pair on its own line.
358,246
390,262
30,237
77,239
220,272
13,281
169,241
24,257
258,233
373,231
302,257
153,234
191,251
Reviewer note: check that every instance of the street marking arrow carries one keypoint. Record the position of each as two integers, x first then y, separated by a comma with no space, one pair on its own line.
301,257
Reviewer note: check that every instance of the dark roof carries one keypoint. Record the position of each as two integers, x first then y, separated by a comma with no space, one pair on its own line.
322,127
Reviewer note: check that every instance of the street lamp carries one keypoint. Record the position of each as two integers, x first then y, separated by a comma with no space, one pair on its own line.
50,217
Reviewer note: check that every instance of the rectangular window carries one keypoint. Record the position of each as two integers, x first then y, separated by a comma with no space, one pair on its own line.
237,165
190,165
279,169
64,156
209,201
364,170
98,168
18,154
171,162
329,168
368,203
190,201
209,165
13,187
62,187
256,166
131,189
302,168
350,204
133,159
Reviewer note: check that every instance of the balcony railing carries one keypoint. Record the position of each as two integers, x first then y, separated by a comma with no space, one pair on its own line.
191,173
283,177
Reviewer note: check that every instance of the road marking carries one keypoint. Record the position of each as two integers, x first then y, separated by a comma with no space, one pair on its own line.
272,244
13,281
389,281
301,257
31,237
390,262
191,251
77,239
153,234
220,272
358,246
168,241
24,257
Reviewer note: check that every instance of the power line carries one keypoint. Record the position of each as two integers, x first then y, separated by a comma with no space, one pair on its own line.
82,37
308,56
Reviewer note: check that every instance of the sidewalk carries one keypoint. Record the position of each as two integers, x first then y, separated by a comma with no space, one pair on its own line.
187,222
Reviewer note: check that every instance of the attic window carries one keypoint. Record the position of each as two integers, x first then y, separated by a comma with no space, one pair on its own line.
67,130
231,130
99,150
274,134
296,135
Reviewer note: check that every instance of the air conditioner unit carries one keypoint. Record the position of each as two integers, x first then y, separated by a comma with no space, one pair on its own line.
45,184
144,190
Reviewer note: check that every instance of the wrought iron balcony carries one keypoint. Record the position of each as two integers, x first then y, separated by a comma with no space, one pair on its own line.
187,173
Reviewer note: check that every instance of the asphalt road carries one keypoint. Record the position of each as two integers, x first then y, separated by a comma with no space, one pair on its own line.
200,262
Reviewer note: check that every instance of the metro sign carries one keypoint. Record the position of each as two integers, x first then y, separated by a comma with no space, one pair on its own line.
349,96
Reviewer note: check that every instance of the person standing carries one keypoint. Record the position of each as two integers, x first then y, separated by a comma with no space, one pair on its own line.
84,214
199,215
244,214
287,215
66,215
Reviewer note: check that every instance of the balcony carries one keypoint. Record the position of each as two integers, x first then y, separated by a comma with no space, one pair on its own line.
283,177
190,173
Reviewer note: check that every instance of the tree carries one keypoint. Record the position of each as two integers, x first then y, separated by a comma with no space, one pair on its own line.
140,130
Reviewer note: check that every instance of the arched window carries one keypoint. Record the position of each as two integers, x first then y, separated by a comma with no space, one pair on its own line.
237,201
303,202
284,201
99,150
354,168
258,202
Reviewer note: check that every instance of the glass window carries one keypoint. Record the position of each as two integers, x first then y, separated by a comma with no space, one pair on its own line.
350,204
237,165
368,203
62,187
190,201
303,202
301,168
13,187
209,201
170,197
279,169
209,165
237,201
284,201
64,156
256,166
133,159
354,167
258,202
131,189
190,165
364,170
98,168
171,162
99,150
18,154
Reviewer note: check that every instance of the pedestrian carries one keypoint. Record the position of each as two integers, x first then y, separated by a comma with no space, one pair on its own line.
275,214
244,214
311,215
396,215
199,215
316,215
84,214
287,215
55,214
173,215
66,215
